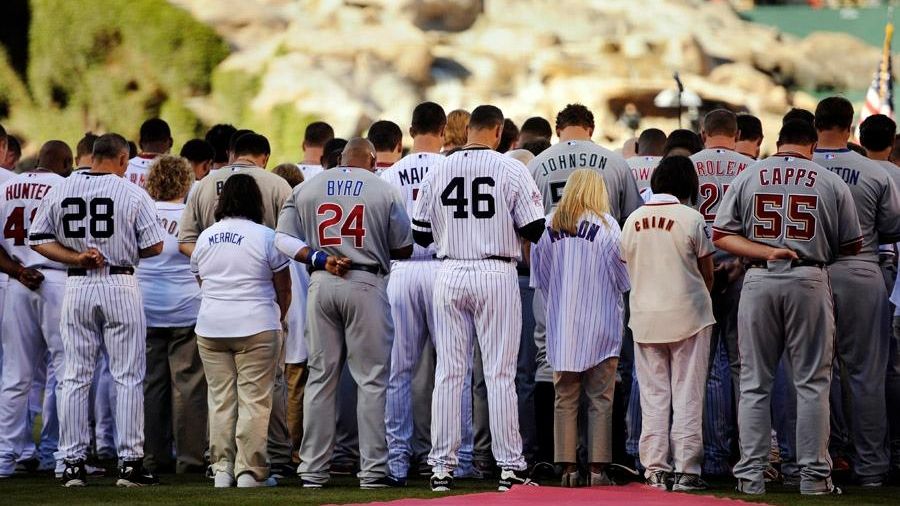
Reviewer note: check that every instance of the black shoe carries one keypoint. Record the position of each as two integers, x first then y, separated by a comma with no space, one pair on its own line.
441,482
688,483
74,475
384,482
281,471
133,474
510,477
27,466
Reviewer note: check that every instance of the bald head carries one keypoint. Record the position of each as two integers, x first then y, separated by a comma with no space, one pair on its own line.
358,152
56,156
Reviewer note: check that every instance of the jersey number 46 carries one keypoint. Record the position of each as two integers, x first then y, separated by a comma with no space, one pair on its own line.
483,204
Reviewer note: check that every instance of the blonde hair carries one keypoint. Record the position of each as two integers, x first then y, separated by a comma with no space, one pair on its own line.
455,134
170,178
584,192
289,172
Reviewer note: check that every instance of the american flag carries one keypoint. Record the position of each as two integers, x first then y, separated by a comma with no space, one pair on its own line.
880,97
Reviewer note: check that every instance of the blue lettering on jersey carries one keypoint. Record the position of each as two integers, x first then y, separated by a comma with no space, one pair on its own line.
574,161
347,188
586,230
226,238
849,175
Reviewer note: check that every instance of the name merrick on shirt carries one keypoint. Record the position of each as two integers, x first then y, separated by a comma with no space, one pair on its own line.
34,191
586,230
226,238
787,175
574,161
348,188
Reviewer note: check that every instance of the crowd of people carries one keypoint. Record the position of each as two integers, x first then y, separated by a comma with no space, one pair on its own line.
474,304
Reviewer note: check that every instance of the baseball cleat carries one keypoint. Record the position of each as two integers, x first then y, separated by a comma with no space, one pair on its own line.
511,477
133,474
74,474
441,482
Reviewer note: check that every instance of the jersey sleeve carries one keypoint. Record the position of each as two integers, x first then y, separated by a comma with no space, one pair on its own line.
540,264
729,220
527,202
195,257
146,224
43,226
189,225
700,238
281,194
289,221
277,260
849,231
421,217
888,217
400,228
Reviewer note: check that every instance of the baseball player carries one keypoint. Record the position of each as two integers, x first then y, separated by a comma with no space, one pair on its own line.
650,146
5,174
100,226
316,135
347,212
858,285
476,207
155,140
387,138
575,150
790,217
33,303
750,135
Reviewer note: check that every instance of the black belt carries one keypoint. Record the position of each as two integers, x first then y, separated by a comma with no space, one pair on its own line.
113,270
365,268
502,259
756,264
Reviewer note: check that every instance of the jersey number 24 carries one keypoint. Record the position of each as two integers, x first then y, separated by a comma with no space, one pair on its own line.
351,226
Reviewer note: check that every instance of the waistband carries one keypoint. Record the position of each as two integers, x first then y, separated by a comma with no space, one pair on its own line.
112,270
758,264
492,257
365,268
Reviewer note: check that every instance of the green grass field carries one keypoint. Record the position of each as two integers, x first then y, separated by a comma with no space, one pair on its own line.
198,490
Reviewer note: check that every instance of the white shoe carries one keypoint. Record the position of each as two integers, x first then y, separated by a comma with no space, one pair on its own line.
247,480
224,479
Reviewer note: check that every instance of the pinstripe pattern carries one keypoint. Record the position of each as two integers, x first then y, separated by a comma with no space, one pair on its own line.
407,175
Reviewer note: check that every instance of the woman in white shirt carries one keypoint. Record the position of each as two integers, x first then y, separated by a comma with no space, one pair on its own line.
577,267
174,385
246,291
669,257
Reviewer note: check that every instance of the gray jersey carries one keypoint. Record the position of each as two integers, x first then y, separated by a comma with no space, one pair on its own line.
787,201
716,169
350,212
551,169
875,196
103,211
642,168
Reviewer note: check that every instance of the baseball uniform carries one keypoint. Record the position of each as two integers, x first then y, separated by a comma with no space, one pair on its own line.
551,169
139,167
347,212
309,170
31,317
101,306
4,278
473,204
858,286
642,168
787,201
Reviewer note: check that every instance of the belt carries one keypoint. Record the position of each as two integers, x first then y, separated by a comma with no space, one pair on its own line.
502,259
365,268
756,264
113,270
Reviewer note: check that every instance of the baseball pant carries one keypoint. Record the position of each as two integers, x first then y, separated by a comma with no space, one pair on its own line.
348,316
3,284
893,396
481,413
175,386
295,376
526,368
345,456
279,443
784,418
598,385
476,300
240,378
34,407
673,379
48,444
422,388
718,417
103,310
30,329
102,409
791,311
863,345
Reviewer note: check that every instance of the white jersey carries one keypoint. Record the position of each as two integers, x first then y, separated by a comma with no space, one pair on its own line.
20,197
4,176
310,170
407,175
138,168
171,293
582,279
236,258
474,202
716,169
642,168
103,211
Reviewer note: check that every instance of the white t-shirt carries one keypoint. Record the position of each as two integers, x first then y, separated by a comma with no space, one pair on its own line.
236,259
170,290
661,243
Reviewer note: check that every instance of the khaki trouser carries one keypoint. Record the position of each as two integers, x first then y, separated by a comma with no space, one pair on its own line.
598,384
240,375
295,375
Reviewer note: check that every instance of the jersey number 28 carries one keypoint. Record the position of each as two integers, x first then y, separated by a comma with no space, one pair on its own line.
352,226
99,211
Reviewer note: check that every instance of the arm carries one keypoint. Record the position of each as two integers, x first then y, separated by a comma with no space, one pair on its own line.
152,251
533,231
187,248
743,247
402,253
90,258
282,282
293,247
705,265
31,278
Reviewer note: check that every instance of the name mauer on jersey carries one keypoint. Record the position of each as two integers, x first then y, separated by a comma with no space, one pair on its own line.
573,161
412,175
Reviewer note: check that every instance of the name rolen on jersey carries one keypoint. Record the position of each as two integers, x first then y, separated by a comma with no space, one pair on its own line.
407,175
716,169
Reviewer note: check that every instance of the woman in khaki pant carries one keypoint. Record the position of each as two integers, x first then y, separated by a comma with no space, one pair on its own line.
246,291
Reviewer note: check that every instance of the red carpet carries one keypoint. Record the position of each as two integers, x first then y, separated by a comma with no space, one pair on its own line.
629,495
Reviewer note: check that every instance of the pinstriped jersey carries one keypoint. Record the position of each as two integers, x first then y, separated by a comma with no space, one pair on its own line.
787,201
876,198
138,168
473,202
716,169
407,175
642,168
20,197
103,211
551,169
582,278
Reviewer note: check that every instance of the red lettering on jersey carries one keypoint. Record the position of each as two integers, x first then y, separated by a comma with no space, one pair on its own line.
763,175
